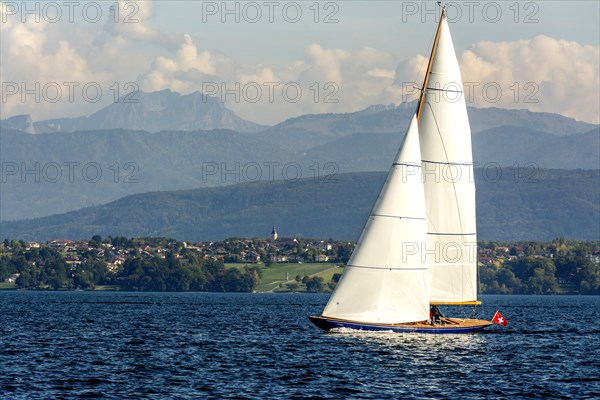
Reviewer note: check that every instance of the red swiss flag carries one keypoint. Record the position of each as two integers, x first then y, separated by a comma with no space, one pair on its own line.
499,319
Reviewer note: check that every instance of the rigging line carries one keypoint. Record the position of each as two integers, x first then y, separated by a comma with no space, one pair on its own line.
430,63
425,61
439,131
451,234
445,90
460,220
419,111
389,176
447,163
387,179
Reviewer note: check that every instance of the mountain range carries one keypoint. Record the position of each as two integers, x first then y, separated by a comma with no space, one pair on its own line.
166,142
151,112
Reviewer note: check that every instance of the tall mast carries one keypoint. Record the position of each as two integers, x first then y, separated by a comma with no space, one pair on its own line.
433,50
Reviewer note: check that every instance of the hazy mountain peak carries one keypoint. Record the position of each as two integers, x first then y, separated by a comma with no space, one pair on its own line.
380,107
22,123
554,124
380,118
148,111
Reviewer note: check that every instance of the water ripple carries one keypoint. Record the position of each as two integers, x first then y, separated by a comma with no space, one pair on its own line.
194,345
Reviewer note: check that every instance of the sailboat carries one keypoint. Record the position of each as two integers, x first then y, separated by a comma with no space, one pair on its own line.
418,248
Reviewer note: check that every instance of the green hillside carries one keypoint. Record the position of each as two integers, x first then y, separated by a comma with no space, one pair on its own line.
513,204
275,277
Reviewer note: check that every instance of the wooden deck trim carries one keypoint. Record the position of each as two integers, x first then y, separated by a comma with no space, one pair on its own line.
446,323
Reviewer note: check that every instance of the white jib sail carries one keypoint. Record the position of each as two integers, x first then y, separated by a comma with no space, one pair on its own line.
386,279
447,167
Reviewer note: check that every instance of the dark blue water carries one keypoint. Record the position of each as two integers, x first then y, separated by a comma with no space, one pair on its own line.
196,345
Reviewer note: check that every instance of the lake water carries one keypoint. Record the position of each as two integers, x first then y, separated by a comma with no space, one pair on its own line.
203,345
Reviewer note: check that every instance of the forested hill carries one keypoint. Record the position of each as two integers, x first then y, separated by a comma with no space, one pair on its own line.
171,142
512,205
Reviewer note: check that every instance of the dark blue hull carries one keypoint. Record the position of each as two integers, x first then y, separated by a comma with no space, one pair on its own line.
452,326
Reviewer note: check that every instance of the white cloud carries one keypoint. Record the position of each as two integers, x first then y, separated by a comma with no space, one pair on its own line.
566,73
330,79
382,73
187,70
39,54
541,74
33,62
131,20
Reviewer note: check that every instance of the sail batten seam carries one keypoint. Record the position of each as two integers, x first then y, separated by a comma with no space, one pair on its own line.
445,90
408,165
397,216
468,164
450,234
387,268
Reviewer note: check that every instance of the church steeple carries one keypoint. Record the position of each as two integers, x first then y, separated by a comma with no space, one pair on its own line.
274,233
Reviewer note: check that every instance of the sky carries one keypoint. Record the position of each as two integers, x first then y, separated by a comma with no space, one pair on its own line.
273,60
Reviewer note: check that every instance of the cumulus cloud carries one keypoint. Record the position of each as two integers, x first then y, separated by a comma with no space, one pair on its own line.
188,70
131,20
540,74
54,61
33,63
323,80
382,73
551,75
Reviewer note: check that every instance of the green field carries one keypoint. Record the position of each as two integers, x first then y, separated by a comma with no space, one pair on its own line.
242,265
106,288
275,274
8,286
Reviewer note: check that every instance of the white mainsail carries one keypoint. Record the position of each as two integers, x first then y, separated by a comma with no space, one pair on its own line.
386,279
447,168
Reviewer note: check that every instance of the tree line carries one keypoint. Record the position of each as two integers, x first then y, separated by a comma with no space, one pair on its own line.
47,268
515,268
535,275
558,266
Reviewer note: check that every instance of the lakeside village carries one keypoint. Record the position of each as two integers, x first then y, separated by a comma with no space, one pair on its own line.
271,264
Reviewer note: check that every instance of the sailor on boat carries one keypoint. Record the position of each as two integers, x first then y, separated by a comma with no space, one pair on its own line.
435,315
